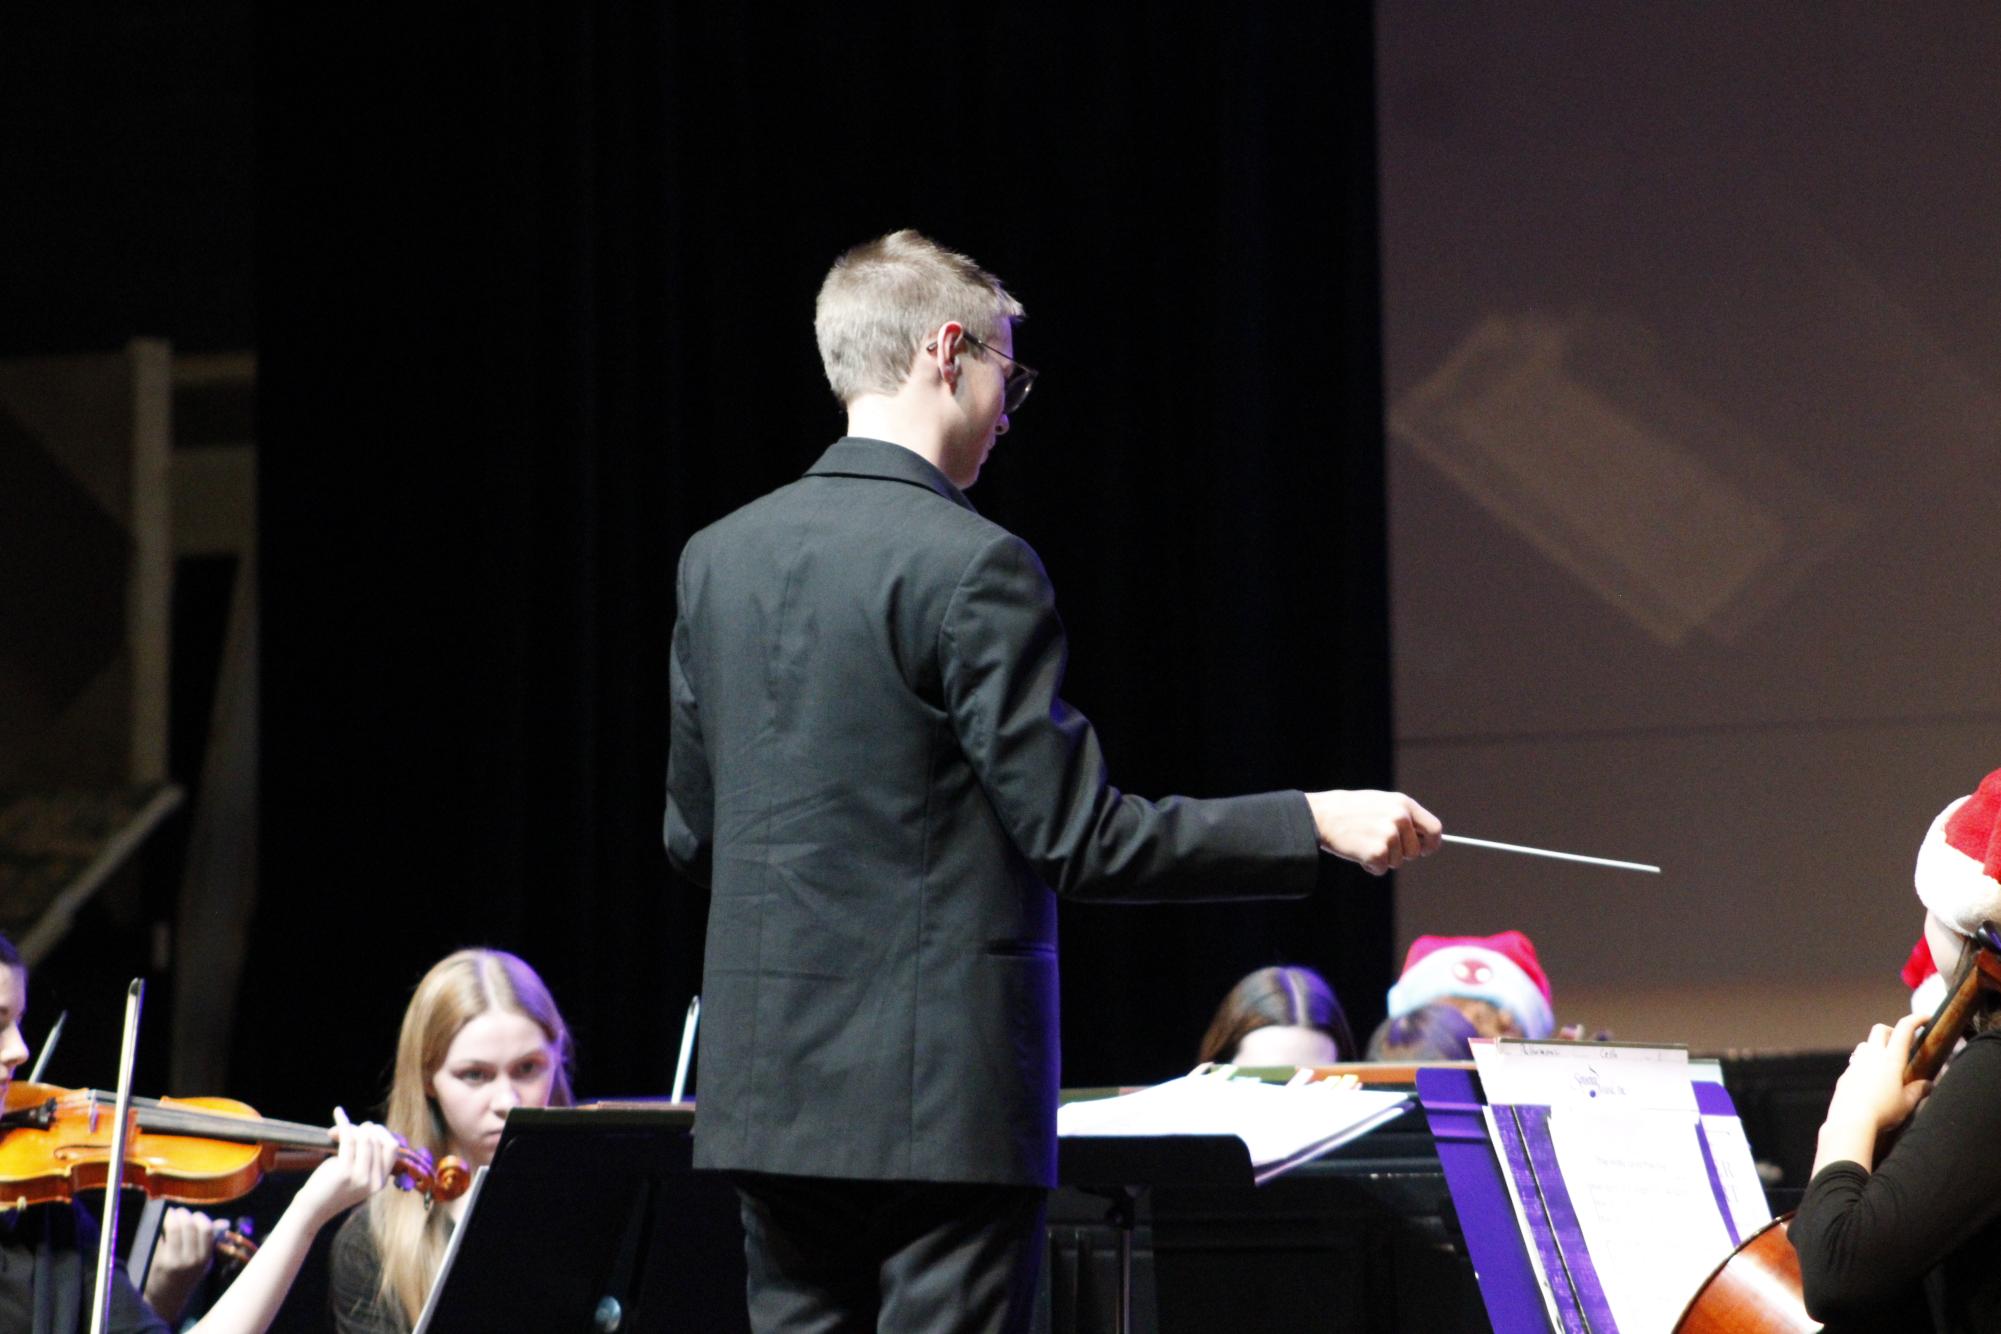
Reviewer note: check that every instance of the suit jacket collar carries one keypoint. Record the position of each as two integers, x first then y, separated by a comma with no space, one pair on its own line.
859,456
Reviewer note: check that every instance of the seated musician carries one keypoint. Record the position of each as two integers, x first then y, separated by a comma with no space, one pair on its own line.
1906,1232
1495,981
481,1035
1434,1032
1285,1015
48,1252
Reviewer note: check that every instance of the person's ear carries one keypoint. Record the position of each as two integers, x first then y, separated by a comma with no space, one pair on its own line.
943,349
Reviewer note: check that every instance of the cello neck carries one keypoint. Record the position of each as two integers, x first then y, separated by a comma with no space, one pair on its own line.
1979,970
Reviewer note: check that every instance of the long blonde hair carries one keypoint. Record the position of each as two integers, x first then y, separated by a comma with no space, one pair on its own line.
410,1239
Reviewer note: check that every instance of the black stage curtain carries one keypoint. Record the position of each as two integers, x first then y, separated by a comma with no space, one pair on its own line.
535,298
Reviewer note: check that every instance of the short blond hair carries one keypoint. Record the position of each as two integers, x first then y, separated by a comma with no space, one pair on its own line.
883,298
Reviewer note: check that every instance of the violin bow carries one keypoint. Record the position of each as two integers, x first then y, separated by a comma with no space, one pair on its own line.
48,1048
100,1316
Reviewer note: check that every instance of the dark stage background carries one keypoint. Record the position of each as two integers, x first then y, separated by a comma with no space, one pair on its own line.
535,303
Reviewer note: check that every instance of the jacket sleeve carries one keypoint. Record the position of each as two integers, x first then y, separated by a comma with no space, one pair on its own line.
690,822
1003,654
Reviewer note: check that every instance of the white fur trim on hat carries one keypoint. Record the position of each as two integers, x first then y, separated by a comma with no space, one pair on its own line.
1500,982
1954,886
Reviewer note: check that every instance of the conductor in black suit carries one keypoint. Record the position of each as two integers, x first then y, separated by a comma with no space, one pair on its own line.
873,770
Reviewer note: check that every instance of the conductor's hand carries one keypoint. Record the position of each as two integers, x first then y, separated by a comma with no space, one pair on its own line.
1379,830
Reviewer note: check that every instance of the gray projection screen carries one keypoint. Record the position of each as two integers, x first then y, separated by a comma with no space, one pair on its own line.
1693,361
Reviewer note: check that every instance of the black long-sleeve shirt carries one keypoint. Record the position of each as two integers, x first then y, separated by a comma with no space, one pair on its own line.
1921,1235
48,1269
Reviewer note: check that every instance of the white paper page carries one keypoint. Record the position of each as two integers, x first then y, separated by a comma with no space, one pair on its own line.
1737,1169
1275,1121
1736,1165
1644,1204
1573,1074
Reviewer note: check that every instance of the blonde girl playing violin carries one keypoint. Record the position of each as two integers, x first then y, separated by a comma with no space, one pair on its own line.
48,1251
480,1037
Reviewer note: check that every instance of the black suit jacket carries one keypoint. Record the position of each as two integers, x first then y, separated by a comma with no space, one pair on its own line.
872,769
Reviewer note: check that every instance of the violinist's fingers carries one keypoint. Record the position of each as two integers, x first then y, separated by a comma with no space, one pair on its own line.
375,1153
1900,1039
186,1239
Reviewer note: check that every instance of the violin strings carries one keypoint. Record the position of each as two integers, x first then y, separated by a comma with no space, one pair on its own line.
166,1118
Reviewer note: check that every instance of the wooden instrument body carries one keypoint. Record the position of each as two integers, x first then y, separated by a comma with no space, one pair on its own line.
202,1151
1754,1291
38,1166
1757,1289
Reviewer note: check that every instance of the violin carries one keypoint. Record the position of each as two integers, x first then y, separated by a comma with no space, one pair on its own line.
56,1141
1757,1290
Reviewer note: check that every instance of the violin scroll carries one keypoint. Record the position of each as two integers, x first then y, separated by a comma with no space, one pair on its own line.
443,1179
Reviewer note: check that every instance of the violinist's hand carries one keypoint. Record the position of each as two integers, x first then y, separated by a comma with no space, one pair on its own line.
183,1254
366,1157
1379,830
366,1160
1871,1095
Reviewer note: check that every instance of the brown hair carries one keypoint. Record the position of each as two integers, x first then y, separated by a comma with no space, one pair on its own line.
1435,1032
409,1238
1281,996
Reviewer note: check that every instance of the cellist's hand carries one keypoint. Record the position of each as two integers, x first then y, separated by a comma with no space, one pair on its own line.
364,1164
1871,1095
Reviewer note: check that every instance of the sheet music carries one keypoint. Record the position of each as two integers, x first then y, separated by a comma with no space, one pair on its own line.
1611,1177
1575,1074
1649,1219
1279,1124
1737,1173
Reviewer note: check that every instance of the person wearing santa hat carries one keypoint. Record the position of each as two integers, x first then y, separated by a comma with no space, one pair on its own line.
1495,981
1910,1226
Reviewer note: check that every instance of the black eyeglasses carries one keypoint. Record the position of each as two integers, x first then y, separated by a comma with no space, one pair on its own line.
1020,378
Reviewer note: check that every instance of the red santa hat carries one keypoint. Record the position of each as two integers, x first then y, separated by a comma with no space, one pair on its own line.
1921,975
1501,970
1959,863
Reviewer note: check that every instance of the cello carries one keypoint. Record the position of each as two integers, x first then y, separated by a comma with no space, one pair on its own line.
1757,1289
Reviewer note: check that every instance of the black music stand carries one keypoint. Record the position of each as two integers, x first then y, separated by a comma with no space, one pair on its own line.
1121,1168
589,1221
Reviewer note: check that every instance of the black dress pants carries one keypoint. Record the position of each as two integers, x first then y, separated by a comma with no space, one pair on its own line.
831,1256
